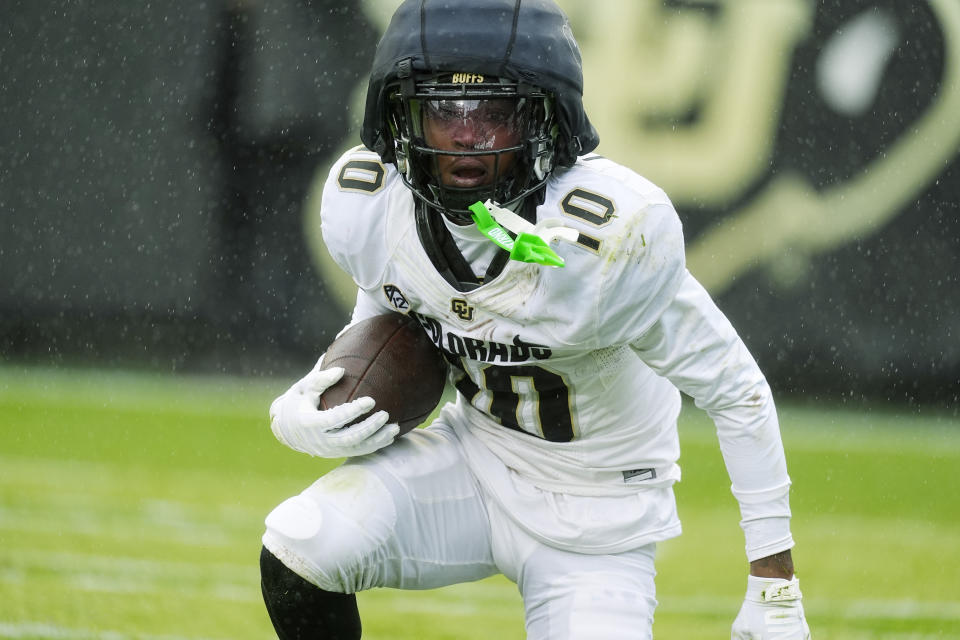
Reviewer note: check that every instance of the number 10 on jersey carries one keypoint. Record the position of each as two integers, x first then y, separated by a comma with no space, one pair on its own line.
527,398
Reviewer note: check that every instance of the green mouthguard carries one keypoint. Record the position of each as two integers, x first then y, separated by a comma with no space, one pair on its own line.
525,248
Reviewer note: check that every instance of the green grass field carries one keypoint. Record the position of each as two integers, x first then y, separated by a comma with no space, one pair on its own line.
131,507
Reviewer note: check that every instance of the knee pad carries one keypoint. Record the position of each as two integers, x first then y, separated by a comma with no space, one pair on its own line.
334,533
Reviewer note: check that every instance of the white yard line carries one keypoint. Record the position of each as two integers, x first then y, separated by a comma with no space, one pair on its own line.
55,632
853,609
63,561
125,575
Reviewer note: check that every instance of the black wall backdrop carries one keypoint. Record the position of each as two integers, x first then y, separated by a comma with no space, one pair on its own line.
155,160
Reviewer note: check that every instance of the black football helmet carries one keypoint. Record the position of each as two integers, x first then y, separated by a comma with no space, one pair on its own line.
462,54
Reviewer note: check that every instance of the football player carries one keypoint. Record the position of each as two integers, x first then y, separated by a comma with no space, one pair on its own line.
554,281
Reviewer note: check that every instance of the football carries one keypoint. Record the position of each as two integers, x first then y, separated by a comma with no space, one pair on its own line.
389,358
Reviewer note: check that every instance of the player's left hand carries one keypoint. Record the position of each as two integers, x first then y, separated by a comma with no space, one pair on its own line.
772,608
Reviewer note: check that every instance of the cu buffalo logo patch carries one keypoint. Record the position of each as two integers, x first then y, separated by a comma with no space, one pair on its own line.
463,310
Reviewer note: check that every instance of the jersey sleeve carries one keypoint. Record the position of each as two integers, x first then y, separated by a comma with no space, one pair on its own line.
641,274
368,306
353,217
353,213
693,345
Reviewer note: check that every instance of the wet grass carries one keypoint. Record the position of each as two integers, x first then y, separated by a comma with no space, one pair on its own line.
131,506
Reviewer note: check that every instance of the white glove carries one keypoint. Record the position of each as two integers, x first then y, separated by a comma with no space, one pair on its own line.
297,422
771,609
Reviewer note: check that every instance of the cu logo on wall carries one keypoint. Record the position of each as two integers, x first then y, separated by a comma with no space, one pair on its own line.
811,150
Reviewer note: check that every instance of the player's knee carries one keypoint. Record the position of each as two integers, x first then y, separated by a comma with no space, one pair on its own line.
581,605
334,533
277,582
604,611
300,609
590,609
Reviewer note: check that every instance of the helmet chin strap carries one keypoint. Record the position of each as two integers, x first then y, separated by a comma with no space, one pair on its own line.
455,202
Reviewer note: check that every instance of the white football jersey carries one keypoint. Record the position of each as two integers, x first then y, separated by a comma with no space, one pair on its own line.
567,376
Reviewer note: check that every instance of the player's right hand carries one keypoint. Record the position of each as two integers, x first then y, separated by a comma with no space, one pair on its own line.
298,422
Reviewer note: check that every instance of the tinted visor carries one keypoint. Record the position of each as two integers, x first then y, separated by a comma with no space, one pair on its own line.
473,124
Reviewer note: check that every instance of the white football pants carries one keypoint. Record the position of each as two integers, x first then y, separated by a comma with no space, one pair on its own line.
412,516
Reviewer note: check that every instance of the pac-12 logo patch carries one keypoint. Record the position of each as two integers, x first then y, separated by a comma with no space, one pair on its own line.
395,297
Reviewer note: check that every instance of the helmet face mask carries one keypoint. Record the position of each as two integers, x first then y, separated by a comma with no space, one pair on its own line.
459,142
